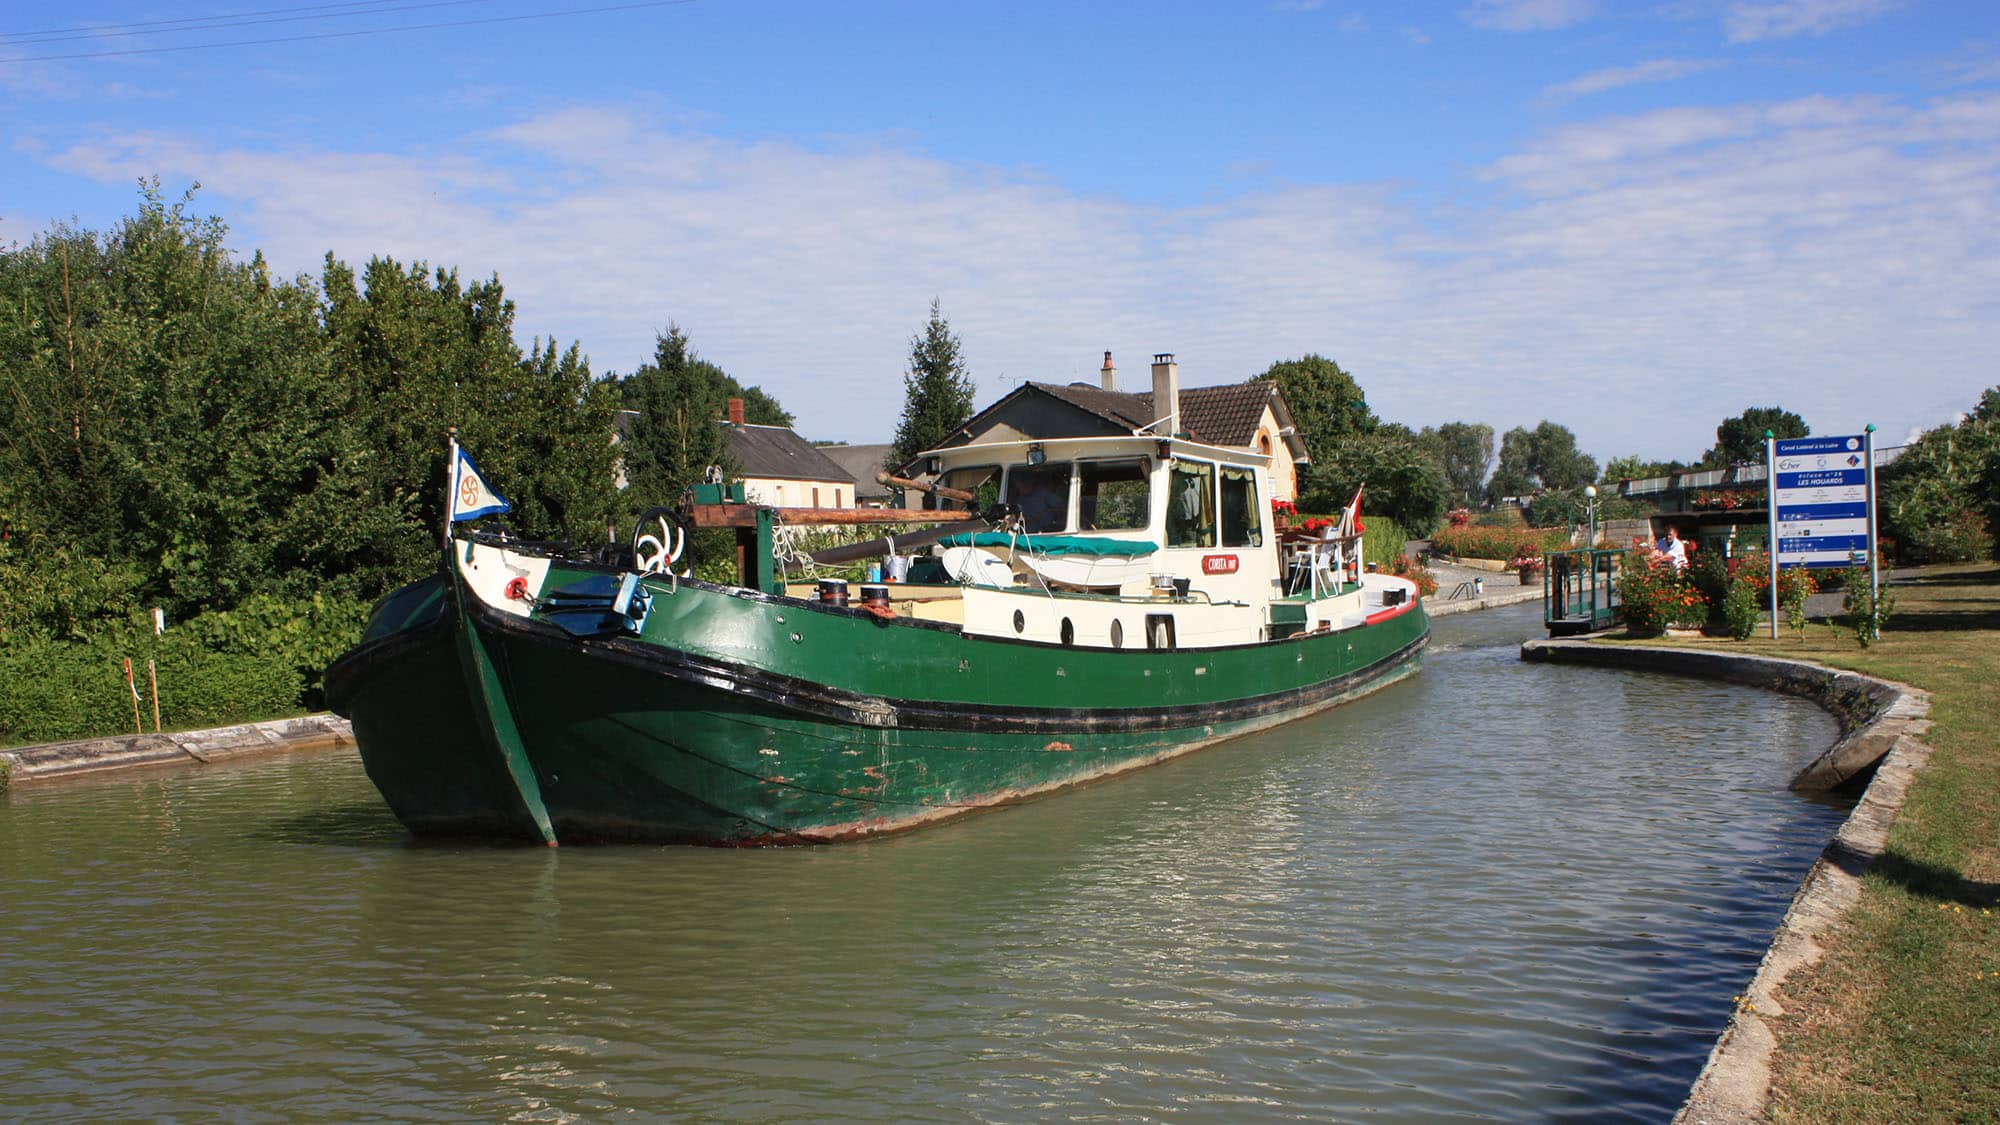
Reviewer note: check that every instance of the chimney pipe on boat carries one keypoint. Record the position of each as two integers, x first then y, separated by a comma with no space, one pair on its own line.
1108,378
1166,395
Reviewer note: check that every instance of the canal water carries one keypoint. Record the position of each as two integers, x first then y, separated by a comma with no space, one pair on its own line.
1497,890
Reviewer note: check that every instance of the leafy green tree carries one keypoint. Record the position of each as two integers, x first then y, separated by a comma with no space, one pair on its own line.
162,407
1635,467
1326,403
937,390
1741,439
1403,481
1936,499
416,352
1545,457
257,456
1463,451
680,399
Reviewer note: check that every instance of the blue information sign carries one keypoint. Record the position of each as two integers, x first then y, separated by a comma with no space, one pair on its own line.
1819,500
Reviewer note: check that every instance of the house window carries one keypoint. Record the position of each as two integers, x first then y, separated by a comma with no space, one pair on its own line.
815,497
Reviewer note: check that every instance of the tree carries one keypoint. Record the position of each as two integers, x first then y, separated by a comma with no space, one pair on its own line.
1545,457
1463,451
1326,403
680,400
1741,439
1937,499
1635,467
937,390
1403,481
417,350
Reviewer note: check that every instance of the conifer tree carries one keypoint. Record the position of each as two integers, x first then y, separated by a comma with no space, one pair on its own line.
937,390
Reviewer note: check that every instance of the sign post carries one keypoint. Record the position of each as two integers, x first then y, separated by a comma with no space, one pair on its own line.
1822,504
1771,518
1874,557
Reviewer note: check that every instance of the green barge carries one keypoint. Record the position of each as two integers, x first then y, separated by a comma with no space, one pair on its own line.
522,693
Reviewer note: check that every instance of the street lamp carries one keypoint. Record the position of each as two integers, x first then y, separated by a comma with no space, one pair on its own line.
1590,504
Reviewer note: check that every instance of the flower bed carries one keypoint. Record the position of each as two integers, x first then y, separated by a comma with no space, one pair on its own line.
1656,596
1472,541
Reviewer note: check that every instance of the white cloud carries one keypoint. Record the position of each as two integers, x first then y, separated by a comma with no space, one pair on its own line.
1639,279
1528,15
1657,70
1747,22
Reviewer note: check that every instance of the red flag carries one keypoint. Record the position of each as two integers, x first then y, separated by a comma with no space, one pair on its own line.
1350,516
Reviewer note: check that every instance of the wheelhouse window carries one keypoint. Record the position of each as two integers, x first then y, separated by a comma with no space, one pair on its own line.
1241,523
1041,492
1191,505
1113,495
983,481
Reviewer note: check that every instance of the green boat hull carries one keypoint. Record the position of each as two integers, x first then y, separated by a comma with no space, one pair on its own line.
741,718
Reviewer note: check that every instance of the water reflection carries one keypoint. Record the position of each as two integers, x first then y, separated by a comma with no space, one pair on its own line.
1494,890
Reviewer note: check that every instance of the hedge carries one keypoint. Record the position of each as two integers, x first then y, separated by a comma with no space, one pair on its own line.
259,661
1471,541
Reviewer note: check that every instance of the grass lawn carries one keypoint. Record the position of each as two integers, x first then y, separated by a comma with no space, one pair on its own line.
1901,1020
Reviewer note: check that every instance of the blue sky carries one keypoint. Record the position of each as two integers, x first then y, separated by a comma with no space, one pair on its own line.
1634,219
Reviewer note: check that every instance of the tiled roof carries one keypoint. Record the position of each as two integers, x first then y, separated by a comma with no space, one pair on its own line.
1127,410
776,453
1224,415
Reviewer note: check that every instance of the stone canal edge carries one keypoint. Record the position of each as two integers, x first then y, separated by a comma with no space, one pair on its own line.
1882,725
99,755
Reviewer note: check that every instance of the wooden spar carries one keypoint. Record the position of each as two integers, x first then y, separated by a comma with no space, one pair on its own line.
745,515
877,548
920,486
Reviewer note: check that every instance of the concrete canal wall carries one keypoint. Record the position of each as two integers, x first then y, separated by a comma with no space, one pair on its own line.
1494,597
93,755
1882,724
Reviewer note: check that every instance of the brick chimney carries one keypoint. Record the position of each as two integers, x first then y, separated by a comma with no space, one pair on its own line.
1109,376
736,412
1166,395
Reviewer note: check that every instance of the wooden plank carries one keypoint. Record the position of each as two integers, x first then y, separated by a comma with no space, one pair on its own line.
745,515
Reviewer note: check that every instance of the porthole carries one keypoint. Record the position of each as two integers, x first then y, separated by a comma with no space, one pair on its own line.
1117,634
1020,622
1068,632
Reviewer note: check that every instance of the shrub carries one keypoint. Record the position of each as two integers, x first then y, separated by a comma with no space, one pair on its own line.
260,660
1382,539
1402,567
1739,609
1473,541
1655,595
1961,536
1864,612
1794,584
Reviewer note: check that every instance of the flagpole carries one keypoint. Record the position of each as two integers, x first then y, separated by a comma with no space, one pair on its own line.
450,482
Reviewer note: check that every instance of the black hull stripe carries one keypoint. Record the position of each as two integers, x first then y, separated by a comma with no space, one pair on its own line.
830,704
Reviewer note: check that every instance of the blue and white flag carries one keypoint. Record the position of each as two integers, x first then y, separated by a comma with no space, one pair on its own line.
471,497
